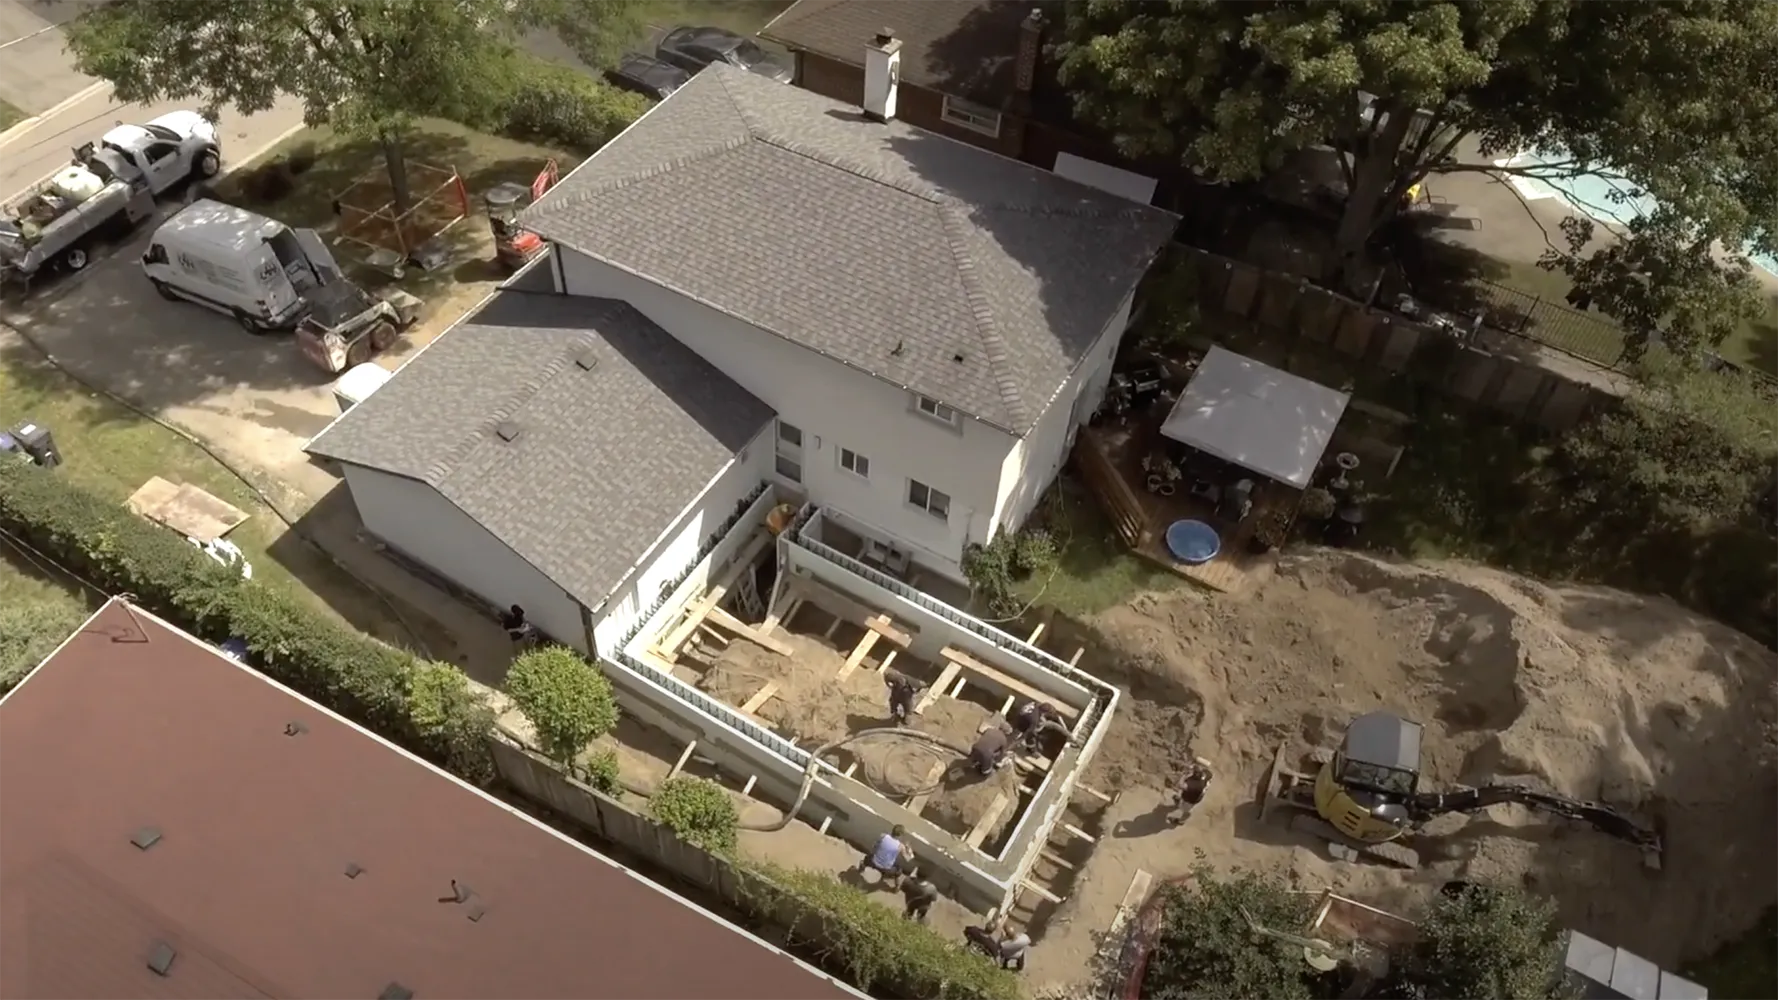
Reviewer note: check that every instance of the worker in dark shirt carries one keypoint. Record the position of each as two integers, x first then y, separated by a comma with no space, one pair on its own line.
902,690
990,749
517,628
1033,719
920,894
1192,786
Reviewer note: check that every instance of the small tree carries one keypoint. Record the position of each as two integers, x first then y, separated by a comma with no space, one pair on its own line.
1206,947
568,702
698,811
1486,943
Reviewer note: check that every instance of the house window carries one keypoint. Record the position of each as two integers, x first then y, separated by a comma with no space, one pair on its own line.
936,410
973,117
854,463
929,500
789,461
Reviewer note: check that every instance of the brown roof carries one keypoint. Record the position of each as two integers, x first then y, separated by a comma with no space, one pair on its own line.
964,48
133,725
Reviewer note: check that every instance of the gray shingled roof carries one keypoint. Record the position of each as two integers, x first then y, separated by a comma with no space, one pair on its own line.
605,459
966,276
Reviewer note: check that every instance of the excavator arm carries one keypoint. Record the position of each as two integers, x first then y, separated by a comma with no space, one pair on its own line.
1603,818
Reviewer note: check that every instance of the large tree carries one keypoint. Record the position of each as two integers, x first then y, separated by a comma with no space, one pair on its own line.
1672,97
367,67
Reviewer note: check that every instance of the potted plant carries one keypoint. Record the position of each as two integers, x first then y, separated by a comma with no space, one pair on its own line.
1269,532
1316,504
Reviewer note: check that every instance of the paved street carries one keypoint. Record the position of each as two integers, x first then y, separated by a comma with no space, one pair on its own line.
35,74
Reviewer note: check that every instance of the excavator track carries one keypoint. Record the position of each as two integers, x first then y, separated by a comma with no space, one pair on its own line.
1344,848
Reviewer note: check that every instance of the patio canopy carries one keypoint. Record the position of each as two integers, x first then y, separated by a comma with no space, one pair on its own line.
1261,418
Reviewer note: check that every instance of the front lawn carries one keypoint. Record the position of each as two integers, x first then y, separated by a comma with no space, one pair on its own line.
1095,569
10,116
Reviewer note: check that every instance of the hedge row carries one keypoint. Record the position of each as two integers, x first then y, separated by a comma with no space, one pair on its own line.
424,706
563,108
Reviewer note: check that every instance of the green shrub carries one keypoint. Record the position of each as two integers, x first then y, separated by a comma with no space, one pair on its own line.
599,771
557,106
995,569
30,631
568,701
699,811
877,948
391,692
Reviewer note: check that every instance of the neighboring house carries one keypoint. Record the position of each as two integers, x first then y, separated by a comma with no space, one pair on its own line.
177,825
931,322
565,455
980,71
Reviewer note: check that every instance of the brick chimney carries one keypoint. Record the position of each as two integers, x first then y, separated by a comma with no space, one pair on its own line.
882,75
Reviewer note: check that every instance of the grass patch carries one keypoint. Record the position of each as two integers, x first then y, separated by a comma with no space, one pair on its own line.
38,610
1095,570
10,116
1745,967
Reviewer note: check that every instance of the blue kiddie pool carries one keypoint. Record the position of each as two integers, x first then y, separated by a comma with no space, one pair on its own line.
1192,542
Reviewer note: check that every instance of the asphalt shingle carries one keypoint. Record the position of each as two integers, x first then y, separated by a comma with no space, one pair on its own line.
604,459
965,276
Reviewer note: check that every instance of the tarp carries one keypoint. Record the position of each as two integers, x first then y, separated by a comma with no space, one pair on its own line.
1260,418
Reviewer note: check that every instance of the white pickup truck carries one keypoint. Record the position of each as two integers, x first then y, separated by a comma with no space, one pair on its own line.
174,148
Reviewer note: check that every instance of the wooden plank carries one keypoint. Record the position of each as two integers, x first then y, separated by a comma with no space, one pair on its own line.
1006,683
748,632
865,642
684,756
1055,859
752,779
1006,707
1094,792
883,667
1074,661
882,626
851,769
760,697
694,616
186,509
1078,832
1041,891
651,659
933,776
979,832
832,627
952,669
1035,634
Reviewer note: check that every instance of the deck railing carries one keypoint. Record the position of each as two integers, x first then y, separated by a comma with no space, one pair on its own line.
1112,490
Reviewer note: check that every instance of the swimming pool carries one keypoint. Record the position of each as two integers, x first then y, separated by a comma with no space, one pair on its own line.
1602,198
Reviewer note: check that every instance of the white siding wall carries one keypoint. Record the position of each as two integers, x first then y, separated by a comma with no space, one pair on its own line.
678,547
1032,466
835,406
424,526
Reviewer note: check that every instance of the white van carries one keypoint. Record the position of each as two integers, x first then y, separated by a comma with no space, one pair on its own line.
244,265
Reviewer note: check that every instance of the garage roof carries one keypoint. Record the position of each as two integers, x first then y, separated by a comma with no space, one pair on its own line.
178,826
576,469
1261,418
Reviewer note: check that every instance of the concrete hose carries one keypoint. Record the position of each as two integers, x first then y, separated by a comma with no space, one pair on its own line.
814,767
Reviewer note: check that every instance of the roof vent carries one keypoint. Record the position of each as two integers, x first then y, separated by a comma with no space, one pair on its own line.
146,837
160,958
396,991
585,359
295,729
507,430
957,357
354,870
900,348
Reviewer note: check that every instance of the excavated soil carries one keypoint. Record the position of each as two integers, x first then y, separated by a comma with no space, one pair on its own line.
1587,692
813,707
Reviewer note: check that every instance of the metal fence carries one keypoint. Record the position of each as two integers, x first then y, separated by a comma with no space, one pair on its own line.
1551,324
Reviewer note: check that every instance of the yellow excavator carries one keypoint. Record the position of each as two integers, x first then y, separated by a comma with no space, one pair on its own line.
1365,796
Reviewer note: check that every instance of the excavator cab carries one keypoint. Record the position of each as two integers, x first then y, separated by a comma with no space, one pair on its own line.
1363,789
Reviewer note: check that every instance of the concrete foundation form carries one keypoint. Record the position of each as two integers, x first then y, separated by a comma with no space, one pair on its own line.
776,643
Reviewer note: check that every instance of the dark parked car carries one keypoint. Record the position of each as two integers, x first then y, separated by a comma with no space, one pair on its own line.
647,76
691,49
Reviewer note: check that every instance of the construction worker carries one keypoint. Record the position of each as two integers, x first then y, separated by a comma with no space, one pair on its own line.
1192,786
902,690
1032,720
1009,951
522,633
990,749
888,857
920,894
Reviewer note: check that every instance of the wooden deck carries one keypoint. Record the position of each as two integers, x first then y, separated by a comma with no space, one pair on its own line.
1110,463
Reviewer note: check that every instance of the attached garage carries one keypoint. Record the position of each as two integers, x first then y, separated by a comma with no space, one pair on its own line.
562,454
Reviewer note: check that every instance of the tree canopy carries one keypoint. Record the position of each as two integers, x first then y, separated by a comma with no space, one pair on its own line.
1671,97
568,701
364,66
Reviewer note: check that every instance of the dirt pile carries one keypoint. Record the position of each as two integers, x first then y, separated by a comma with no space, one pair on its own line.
1588,692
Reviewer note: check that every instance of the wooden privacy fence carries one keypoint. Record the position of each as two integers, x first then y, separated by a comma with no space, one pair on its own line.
1113,490
1485,368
